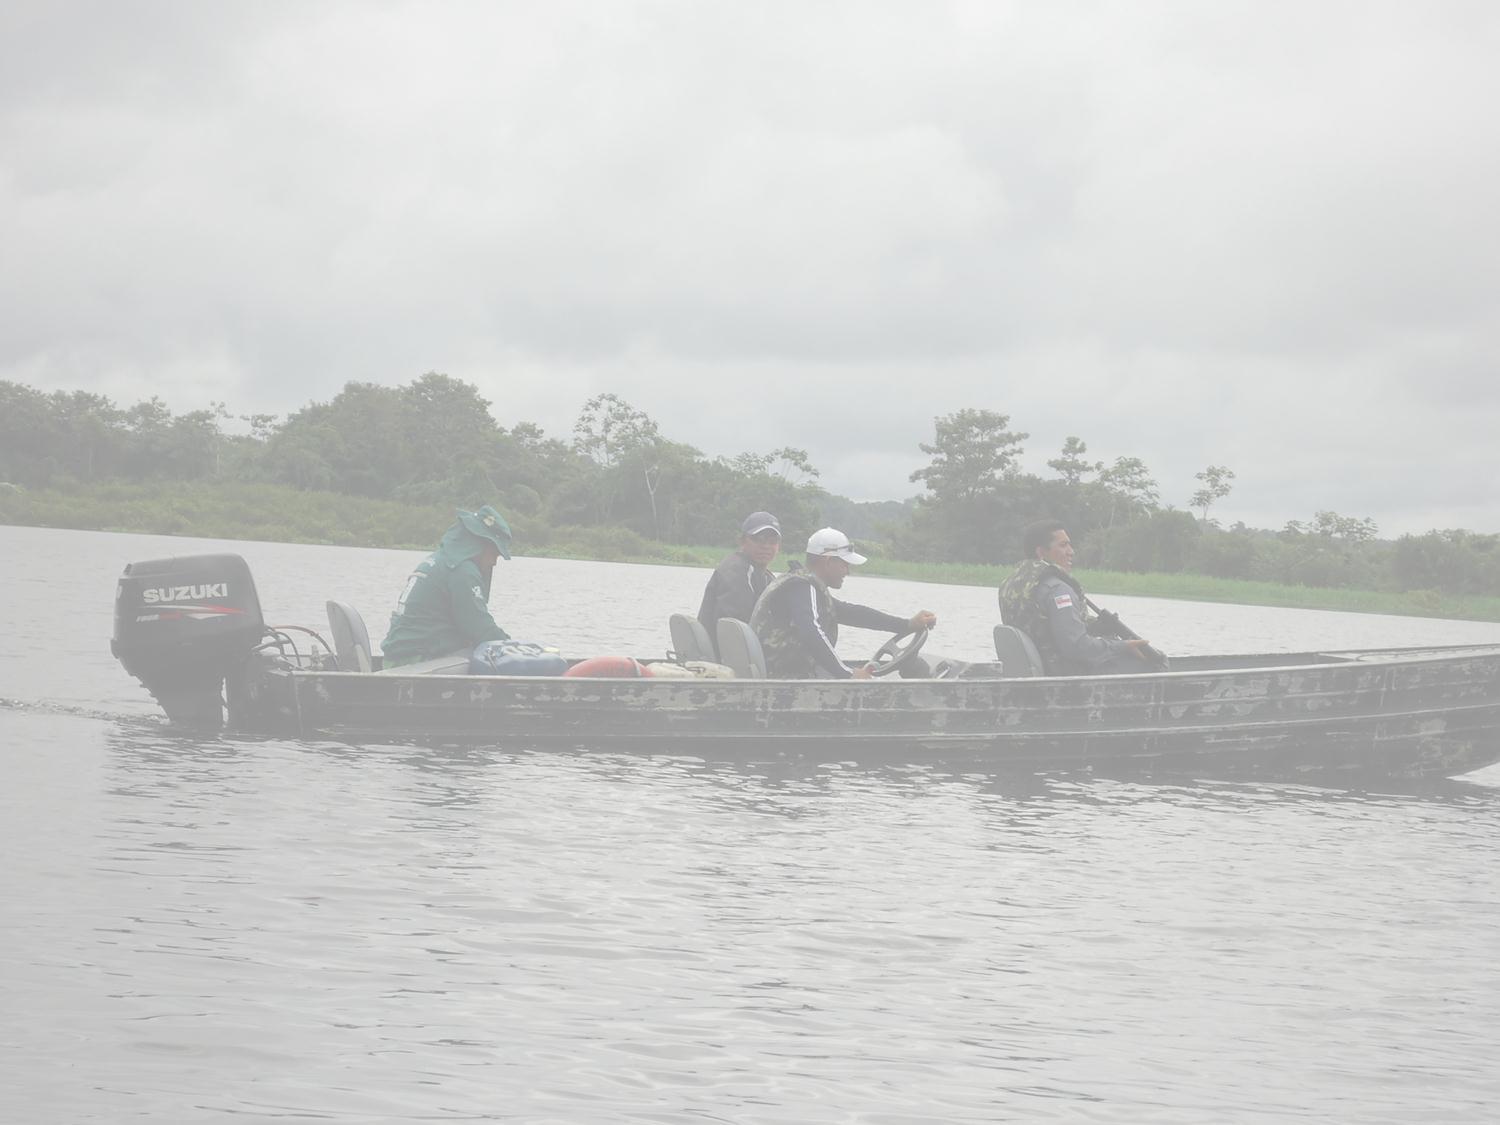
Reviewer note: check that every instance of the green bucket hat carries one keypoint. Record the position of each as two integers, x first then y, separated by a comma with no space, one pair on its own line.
488,524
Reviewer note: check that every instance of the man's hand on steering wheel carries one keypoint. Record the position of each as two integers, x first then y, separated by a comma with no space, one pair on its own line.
923,620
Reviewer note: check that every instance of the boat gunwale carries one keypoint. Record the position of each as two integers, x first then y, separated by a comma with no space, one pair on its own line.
324,703
1372,657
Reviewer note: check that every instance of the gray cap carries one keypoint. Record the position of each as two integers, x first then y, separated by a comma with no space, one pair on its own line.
757,522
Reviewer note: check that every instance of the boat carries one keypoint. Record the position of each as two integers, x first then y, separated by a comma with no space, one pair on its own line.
191,629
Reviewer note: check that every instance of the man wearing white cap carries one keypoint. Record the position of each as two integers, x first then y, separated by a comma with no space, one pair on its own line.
743,576
797,619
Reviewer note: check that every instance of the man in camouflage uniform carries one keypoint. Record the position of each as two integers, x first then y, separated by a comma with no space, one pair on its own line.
1045,601
797,618
444,608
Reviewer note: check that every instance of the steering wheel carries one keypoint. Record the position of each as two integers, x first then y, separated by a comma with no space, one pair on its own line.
894,655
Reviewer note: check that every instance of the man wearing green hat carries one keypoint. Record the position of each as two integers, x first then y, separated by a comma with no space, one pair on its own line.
444,608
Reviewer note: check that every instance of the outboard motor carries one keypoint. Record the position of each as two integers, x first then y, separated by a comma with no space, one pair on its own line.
181,626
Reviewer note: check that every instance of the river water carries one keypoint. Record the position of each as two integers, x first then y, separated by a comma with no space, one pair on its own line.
215,930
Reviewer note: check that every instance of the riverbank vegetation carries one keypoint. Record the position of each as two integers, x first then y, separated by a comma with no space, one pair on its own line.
278,514
385,466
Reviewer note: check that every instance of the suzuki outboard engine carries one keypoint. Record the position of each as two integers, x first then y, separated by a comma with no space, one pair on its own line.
181,626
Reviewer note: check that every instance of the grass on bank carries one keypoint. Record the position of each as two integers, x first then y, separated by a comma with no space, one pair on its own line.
1203,588
1182,587
253,512
272,513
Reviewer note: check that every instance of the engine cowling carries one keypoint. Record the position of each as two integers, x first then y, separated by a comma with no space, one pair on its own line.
181,625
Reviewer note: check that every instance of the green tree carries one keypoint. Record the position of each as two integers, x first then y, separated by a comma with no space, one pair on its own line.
1216,486
1453,561
195,442
626,447
304,458
355,443
609,427
1130,489
531,469
974,491
1331,525
751,464
972,451
1129,478
30,443
160,445
1071,466
262,426
1163,541
89,428
447,425
792,465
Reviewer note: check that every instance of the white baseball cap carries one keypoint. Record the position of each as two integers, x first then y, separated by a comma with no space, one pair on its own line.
830,541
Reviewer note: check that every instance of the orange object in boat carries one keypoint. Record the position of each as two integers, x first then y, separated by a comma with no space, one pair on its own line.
609,667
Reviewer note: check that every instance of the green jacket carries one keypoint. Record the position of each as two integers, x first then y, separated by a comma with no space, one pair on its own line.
445,606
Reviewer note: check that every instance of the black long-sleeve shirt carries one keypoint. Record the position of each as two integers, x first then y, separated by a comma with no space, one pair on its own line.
731,591
800,627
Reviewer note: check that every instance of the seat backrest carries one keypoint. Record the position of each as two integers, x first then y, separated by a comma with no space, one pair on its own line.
740,648
690,639
351,642
1017,652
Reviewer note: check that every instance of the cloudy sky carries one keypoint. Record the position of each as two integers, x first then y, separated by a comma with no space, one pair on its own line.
1262,235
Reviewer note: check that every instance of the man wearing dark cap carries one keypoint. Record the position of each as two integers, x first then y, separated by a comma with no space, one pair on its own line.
740,578
444,608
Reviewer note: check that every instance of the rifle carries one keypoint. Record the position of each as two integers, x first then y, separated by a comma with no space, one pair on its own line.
1154,656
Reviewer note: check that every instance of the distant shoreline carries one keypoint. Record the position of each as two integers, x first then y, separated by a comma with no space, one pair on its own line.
270,513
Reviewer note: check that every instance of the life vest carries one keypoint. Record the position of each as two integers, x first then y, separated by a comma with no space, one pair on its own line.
1019,606
786,655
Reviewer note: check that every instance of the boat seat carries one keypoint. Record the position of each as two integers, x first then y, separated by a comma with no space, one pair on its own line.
740,648
351,641
690,639
1017,652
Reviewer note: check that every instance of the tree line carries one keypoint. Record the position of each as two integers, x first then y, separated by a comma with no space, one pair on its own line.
976,497
434,443
430,442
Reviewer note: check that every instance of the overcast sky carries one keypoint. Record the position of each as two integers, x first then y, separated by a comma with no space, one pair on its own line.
1262,235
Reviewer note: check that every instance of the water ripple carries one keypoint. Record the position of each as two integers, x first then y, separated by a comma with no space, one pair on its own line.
285,931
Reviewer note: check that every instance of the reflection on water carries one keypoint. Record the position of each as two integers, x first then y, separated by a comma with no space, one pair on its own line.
318,930
312,931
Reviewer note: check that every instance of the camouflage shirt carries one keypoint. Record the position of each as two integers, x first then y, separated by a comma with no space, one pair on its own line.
1048,605
798,636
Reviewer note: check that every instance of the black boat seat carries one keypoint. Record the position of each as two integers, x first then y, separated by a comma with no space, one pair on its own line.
351,641
740,649
690,639
1017,652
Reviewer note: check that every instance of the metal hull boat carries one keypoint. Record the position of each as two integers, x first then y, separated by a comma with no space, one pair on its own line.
191,630
1397,713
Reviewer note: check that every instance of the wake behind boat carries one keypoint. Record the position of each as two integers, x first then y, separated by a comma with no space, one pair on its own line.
192,631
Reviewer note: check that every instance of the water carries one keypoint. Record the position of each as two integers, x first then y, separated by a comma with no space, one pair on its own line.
290,931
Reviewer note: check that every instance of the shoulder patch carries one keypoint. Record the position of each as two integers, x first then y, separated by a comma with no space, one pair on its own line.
1063,601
